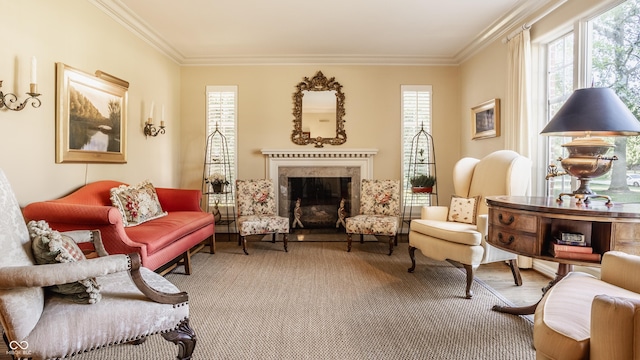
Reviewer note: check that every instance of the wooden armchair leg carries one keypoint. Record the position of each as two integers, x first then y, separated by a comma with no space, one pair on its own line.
184,337
515,270
468,291
391,242
361,238
348,242
412,255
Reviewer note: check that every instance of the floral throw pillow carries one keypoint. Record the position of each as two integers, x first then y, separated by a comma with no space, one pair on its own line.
137,203
50,247
463,209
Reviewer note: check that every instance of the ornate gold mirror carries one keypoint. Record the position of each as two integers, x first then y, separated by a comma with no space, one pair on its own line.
317,106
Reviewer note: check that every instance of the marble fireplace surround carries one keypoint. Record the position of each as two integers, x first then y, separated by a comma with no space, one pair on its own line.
284,163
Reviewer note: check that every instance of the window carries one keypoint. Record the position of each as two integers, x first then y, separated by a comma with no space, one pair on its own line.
610,58
222,105
416,115
559,87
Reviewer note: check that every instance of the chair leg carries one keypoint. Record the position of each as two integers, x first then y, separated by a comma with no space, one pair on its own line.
361,238
284,240
186,260
184,337
391,242
348,242
515,270
244,244
212,244
468,291
412,255
273,238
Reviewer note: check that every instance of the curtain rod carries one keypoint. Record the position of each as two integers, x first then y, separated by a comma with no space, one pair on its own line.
528,25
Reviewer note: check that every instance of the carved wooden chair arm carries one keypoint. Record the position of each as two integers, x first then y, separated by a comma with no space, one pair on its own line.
151,293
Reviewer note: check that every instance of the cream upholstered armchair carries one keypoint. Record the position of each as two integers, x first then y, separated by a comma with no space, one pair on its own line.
458,233
379,212
257,211
72,305
583,317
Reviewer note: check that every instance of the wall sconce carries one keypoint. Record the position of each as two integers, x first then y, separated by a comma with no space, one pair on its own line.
6,100
149,129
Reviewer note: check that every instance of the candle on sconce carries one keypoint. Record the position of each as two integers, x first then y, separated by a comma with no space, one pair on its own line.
34,65
162,114
161,123
151,111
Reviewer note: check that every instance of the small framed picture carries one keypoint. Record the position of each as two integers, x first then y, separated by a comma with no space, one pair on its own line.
485,120
91,117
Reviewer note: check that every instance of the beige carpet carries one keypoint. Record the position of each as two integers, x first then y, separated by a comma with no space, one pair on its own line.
319,302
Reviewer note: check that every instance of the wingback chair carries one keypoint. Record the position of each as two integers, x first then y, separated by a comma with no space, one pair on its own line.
40,324
379,211
257,211
458,233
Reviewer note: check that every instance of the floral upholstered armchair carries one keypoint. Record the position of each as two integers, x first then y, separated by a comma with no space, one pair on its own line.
257,211
72,303
379,211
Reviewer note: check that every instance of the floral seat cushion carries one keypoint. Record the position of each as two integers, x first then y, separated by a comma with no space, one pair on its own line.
372,225
264,224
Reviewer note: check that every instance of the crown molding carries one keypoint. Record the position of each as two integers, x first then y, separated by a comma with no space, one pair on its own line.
499,28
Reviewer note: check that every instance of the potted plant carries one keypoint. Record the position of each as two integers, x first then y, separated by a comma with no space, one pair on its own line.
217,181
422,183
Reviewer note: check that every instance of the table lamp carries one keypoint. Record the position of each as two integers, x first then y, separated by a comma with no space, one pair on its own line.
587,112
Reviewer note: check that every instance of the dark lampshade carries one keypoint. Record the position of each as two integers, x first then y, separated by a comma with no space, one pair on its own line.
593,111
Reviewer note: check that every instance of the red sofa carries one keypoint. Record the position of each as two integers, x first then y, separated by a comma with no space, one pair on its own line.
163,241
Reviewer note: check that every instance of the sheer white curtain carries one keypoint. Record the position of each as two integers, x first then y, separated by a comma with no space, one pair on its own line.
517,107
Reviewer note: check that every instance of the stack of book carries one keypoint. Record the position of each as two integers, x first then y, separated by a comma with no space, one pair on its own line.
572,246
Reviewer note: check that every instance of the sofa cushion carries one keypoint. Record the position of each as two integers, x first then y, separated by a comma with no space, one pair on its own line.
463,209
563,317
452,231
137,203
164,231
50,247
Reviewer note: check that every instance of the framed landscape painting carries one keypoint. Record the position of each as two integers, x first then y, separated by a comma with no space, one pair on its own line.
91,117
485,120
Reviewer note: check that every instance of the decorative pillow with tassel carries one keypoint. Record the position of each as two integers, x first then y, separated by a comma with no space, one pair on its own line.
50,247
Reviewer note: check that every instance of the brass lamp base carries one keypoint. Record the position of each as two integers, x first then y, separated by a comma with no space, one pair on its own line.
586,161
584,198
583,194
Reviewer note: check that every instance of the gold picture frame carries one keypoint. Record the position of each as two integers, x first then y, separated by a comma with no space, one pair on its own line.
91,117
485,120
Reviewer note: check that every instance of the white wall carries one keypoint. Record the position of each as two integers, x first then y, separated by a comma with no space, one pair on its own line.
78,34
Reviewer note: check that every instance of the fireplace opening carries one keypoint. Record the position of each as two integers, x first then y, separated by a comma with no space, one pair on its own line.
315,202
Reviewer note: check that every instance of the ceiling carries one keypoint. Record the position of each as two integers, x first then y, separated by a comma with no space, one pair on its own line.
432,32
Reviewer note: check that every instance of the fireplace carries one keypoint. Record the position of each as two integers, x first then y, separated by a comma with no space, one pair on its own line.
321,179
316,202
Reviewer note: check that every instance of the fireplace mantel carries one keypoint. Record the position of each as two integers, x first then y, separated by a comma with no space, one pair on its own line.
362,158
319,153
